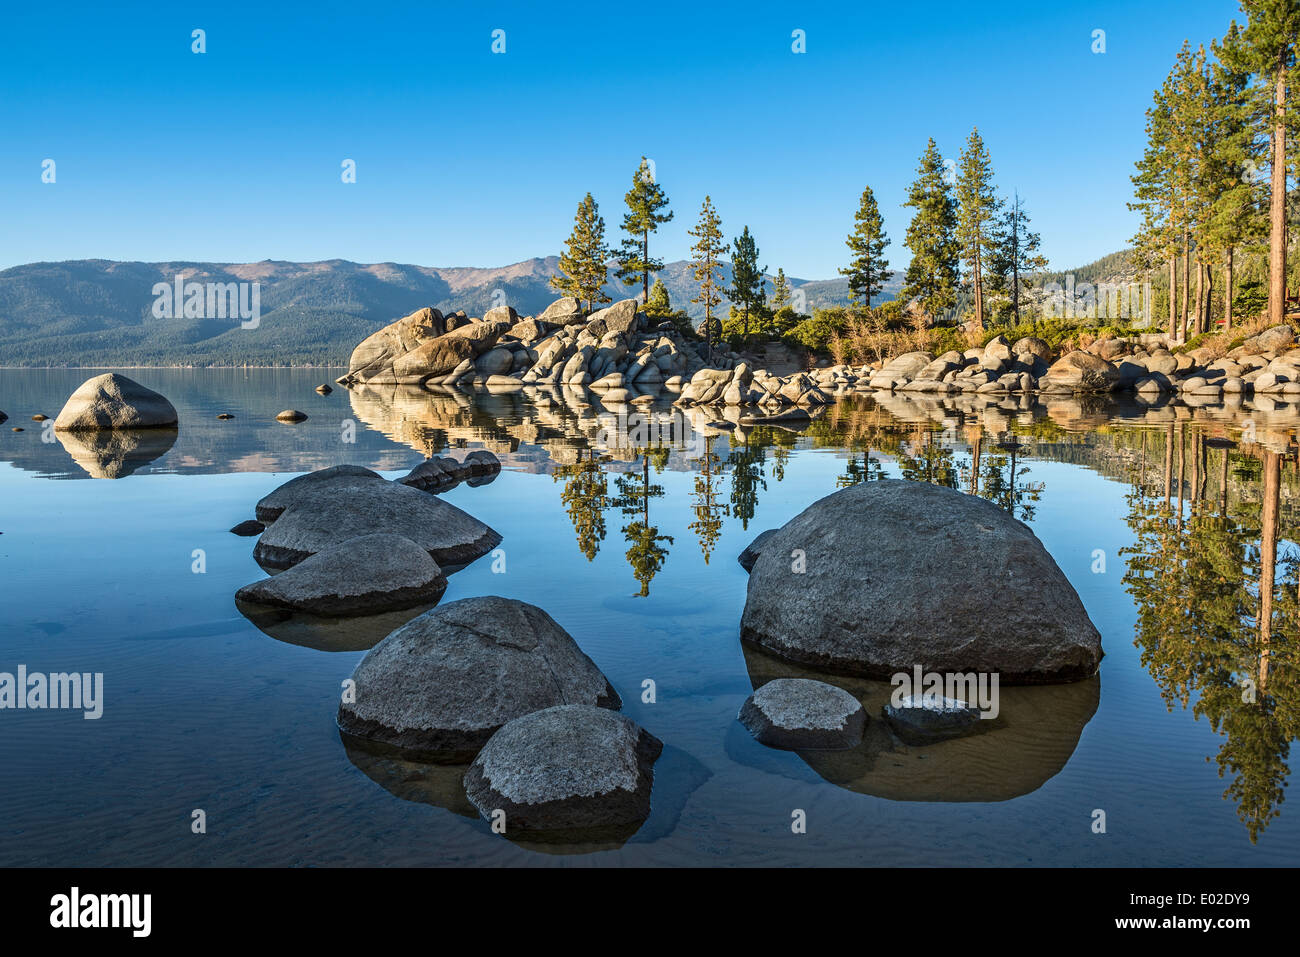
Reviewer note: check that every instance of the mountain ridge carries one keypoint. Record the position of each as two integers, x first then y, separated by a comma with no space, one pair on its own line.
99,312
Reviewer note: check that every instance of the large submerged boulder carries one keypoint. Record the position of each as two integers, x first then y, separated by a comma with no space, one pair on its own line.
336,511
361,576
882,576
112,401
572,768
445,681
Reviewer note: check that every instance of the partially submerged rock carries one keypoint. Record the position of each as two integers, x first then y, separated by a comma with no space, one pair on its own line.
291,415
445,681
112,401
334,511
799,713
304,487
566,769
361,576
885,575
439,474
249,528
921,720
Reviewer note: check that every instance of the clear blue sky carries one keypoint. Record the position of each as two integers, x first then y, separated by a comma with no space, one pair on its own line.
469,158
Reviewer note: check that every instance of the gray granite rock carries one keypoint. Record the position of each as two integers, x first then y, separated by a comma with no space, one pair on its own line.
301,489
799,713
337,511
921,721
890,574
572,768
112,401
361,576
445,681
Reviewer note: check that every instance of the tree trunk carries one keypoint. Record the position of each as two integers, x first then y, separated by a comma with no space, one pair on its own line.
645,273
1173,292
1277,203
1209,298
1227,292
1199,325
1187,286
979,292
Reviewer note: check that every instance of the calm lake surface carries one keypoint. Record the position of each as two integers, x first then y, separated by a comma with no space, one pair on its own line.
1162,518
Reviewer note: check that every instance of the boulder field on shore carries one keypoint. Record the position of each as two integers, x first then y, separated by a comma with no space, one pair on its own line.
882,576
623,356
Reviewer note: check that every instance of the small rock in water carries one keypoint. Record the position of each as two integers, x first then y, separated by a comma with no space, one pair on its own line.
3,417
324,388
18,428
38,417
225,415
248,528
923,720
569,769
292,415
800,713
365,575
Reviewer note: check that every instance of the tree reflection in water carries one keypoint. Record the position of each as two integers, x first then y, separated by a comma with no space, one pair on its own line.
1217,604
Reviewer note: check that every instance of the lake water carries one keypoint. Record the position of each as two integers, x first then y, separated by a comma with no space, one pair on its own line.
1162,518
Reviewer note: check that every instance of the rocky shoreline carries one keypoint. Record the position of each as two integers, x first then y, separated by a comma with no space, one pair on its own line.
623,357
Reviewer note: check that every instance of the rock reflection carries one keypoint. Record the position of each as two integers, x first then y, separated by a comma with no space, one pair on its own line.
116,453
359,633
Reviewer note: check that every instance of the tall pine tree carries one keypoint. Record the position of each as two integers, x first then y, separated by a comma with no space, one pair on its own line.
977,210
646,203
931,276
706,264
583,261
868,270
746,276
1267,50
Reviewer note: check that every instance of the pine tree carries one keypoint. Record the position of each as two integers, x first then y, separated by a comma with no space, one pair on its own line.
747,276
657,304
583,261
1267,51
868,270
780,290
931,276
1155,196
705,264
645,203
1015,256
1237,197
977,210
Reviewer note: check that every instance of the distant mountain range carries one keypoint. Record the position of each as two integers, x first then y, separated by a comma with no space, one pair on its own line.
96,312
